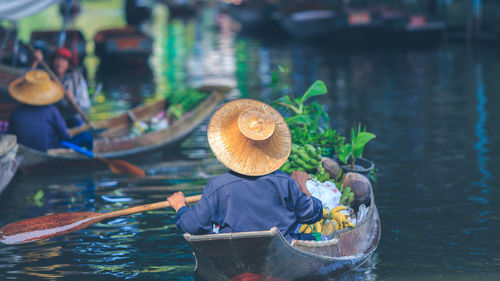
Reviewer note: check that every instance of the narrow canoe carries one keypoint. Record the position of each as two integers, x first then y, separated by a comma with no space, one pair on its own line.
115,142
236,256
9,161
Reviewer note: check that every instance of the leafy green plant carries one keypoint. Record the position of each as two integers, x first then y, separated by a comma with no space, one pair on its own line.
308,121
354,149
181,101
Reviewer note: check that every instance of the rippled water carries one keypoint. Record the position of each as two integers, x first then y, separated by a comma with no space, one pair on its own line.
434,111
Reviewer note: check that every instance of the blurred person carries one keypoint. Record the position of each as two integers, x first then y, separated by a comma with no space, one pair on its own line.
76,88
37,123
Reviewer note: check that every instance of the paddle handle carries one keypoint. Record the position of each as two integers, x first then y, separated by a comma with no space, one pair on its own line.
145,208
80,129
77,148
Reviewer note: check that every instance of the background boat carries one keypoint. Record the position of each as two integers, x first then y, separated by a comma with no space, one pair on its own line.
267,253
254,14
114,138
123,46
9,161
311,19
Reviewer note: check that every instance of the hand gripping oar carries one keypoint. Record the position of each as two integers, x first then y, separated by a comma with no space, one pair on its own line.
116,166
39,228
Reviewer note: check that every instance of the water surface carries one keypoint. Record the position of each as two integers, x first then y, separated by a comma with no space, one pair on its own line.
434,111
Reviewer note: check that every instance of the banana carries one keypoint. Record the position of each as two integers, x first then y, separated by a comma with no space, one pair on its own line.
339,208
303,154
350,225
319,226
318,153
325,212
310,150
302,228
308,229
339,219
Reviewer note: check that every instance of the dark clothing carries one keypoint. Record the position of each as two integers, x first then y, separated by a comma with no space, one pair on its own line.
38,127
242,203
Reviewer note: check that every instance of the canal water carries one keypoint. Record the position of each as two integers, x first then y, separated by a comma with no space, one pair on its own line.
434,110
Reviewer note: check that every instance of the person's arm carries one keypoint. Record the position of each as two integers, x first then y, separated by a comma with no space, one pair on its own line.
194,220
60,125
38,58
308,209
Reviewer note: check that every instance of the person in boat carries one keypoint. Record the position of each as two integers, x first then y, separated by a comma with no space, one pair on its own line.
253,140
37,122
76,89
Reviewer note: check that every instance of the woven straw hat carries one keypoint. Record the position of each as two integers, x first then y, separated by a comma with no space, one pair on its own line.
36,88
249,137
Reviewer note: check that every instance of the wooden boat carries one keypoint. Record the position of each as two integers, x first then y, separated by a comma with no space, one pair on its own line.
120,46
9,161
50,40
311,19
12,51
253,14
115,141
7,103
266,255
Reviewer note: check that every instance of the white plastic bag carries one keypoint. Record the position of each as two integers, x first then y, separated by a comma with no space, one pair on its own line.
326,192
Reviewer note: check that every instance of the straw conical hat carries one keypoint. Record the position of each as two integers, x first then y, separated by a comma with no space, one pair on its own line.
36,88
249,137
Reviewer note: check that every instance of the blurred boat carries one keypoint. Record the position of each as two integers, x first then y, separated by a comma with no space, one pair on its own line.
307,19
12,51
415,28
116,141
50,40
9,161
266,255
7,103
137,11
123,46
182,8
254,14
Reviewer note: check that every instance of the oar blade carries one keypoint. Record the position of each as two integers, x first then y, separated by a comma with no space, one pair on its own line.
39,228
123,167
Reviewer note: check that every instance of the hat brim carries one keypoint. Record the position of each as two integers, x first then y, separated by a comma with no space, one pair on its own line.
28,93
244,155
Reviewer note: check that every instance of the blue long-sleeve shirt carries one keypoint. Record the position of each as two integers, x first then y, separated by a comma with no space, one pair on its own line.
242,203
38,127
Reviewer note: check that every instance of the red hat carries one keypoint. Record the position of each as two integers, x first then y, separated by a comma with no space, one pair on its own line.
64,52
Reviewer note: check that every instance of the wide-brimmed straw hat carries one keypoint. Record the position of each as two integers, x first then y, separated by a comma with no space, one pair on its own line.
36,88
249,137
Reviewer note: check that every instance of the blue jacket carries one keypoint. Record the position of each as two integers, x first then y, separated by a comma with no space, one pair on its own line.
38,127
240,203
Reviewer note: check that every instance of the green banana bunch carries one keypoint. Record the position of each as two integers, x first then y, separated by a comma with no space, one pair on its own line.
306,158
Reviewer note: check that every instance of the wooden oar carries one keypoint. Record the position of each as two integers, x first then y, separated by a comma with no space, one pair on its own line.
39,228
116,166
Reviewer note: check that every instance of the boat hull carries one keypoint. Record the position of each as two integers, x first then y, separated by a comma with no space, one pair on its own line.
231,256
9,162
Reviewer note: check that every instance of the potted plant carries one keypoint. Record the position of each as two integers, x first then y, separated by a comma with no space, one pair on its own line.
353,152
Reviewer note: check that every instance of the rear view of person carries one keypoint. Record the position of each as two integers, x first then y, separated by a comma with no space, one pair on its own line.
253,140
36,122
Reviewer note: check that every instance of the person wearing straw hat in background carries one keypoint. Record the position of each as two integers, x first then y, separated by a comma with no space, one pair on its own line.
253,141
76,87
36,122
